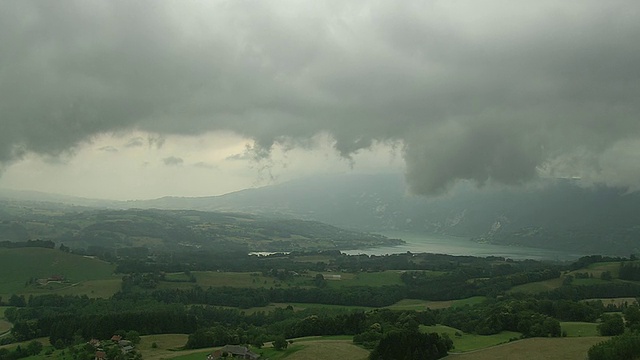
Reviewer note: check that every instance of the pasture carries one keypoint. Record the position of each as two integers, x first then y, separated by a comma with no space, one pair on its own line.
415,304
23,264
574,348
468,342
538,286
325,347
579,329
615,301
598,268
206,279
168,346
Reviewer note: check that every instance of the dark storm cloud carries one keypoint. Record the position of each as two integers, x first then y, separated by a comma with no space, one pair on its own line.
487,91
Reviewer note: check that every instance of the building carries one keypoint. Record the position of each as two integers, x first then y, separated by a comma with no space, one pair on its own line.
235,352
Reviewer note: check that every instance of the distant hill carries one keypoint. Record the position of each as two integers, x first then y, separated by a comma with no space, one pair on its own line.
100,231
560,215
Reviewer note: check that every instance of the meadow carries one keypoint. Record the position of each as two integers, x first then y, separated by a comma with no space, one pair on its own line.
595,270
415,304
463,342
579,329
206,279
83,275
311,348
534,349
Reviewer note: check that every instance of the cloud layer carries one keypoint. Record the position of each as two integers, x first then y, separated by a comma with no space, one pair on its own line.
492,91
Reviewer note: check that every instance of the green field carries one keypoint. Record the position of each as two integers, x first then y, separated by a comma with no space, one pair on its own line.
20,265
598,268
537,287
168,345
208,279
375,279
574,348
469,342
595,270
316,347
414,304
615,301
578,329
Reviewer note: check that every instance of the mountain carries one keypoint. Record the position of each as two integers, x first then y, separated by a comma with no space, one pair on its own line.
560,215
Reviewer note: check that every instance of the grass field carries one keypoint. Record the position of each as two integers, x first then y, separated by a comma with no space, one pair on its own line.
382,278
207,279
615,301
168,345
20,265
578,329
5,326
537,287
598,268
414,304
325,347
469,342
574,348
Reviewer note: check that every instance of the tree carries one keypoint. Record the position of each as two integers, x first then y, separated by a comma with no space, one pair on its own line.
17,301
133,336
632,316
411,345
280,343
611,325
626,346
320,281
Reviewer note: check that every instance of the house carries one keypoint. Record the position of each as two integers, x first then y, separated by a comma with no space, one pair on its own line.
123,343
56,278
101,355
234,351
116,338
95,343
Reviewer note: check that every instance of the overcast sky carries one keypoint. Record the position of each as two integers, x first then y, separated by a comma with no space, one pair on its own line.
141,99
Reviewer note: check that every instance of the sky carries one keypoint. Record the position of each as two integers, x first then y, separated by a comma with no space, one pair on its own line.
135,100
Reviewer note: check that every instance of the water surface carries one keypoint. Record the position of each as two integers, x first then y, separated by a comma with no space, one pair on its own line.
451,245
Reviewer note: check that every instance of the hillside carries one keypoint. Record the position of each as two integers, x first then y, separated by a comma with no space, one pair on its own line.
97,230
39,271
560,215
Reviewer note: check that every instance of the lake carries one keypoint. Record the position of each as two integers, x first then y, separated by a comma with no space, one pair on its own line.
451,245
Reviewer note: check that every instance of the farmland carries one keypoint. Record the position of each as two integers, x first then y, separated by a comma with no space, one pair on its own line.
82,275
467,342
534,349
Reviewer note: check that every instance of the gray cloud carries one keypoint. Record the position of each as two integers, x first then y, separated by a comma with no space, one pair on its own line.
173,161
488,91
109,148
135,142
